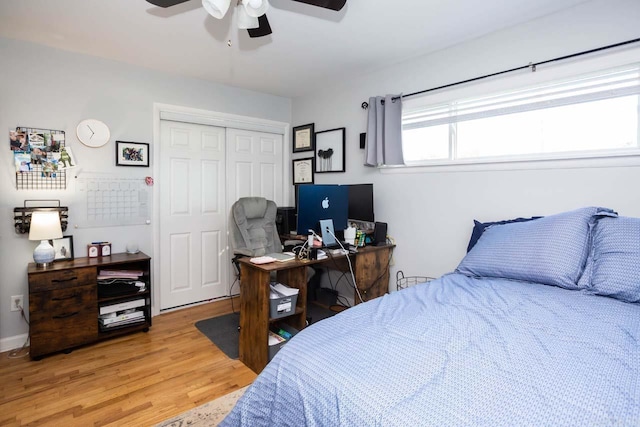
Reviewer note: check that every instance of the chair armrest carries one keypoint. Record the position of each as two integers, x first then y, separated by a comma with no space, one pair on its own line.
239,253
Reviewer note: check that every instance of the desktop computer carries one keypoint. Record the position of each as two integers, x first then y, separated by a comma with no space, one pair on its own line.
286,220
380,234
318,202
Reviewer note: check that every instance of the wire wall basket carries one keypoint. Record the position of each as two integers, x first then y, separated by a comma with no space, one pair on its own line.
403,282
40,158
40,179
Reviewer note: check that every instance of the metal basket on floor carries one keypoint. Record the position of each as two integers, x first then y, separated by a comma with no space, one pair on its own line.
404,282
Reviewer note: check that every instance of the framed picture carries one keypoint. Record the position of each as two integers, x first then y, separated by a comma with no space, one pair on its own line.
329,153
304,138
63,248
303,170
132,153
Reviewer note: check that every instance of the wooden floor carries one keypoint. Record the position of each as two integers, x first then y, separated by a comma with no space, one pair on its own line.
135,380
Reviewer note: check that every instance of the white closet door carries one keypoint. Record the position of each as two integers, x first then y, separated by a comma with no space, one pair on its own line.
254,165
254,168
193,214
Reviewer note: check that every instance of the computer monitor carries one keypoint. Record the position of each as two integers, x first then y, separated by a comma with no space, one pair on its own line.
361,202
316,202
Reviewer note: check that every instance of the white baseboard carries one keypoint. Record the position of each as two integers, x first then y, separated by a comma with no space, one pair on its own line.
11,343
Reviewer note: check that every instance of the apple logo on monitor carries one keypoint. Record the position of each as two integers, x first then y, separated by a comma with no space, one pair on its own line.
325,203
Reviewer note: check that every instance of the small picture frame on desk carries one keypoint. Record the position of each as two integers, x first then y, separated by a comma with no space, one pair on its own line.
93,250
105,249
63,248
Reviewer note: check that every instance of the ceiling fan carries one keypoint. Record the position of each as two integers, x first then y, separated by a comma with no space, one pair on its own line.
251,13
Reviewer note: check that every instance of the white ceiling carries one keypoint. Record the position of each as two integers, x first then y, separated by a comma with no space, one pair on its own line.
309,45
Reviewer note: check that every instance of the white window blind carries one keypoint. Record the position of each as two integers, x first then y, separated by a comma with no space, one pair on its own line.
610,85
433,133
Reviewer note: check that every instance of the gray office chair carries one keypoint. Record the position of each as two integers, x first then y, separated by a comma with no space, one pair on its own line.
253,231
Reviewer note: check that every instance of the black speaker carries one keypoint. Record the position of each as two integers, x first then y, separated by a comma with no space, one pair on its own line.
380,234
286,220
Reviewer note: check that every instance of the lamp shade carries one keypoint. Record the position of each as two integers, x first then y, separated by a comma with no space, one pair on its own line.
244,20
216,8
45,225
255,8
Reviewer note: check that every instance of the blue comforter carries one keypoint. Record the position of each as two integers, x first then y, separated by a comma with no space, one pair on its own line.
458,351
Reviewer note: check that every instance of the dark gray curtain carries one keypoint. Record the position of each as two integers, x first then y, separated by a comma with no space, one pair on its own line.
384,131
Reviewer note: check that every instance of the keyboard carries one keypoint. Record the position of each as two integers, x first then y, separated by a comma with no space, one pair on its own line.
262,260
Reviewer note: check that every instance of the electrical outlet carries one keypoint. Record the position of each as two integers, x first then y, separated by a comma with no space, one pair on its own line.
17,302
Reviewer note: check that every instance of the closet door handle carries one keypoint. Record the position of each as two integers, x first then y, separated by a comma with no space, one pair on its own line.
72,296
64,316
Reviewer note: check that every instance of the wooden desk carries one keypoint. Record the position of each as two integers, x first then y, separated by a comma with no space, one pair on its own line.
371,270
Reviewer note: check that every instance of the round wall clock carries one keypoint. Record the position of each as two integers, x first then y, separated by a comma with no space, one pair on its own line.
93,133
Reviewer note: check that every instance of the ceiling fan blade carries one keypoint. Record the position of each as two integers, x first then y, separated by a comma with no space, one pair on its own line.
166,3
264,28
327,4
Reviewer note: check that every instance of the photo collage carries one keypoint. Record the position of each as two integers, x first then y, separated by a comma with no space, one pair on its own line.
40,150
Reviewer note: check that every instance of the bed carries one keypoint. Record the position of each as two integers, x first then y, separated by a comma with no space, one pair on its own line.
538,325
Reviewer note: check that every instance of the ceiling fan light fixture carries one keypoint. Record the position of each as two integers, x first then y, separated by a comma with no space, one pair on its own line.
255,8
216,8
245,21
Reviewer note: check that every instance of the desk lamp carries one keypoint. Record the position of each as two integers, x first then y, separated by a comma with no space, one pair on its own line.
45,225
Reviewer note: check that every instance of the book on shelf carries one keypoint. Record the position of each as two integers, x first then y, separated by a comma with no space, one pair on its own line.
122,323
108,319
282,256
113,308
123,274
275,338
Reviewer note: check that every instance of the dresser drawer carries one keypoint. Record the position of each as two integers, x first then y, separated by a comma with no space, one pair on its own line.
62,279
62,318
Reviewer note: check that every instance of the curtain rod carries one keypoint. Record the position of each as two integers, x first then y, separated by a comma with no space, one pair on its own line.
531,65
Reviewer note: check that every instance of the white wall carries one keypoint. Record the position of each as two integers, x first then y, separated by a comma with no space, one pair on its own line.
47,88
430,214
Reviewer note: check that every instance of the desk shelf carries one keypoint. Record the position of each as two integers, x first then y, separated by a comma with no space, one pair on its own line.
298,312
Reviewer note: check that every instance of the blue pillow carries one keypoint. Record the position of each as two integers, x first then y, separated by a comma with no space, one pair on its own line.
552,250
614,265
479,227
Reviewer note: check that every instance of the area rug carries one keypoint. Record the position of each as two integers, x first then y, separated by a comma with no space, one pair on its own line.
209,414
223,330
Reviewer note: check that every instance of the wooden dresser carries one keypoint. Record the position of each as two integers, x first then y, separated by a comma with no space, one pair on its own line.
65,302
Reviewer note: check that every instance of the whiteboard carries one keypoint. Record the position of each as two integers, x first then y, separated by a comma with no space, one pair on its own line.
107,200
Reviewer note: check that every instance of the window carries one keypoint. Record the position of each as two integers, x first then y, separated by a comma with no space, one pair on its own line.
595,115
